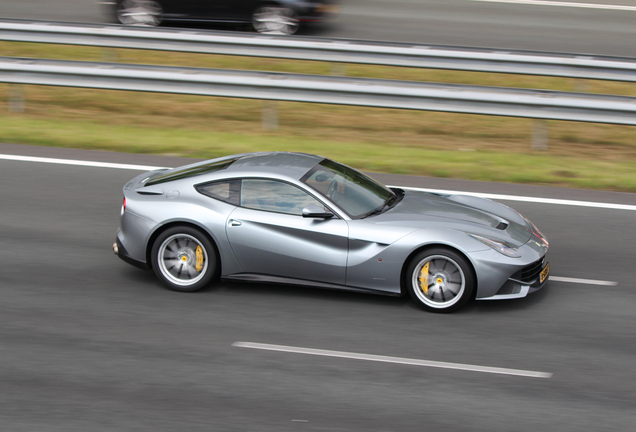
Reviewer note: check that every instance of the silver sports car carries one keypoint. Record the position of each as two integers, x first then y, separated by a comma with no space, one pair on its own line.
306,220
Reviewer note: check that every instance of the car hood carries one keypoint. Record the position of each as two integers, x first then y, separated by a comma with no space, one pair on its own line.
459,212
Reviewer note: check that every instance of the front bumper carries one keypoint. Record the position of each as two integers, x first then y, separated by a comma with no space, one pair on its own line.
501,277
520,285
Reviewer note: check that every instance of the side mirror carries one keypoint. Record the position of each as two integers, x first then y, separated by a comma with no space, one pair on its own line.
314,211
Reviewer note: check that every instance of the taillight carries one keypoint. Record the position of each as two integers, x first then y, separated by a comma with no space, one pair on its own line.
123,207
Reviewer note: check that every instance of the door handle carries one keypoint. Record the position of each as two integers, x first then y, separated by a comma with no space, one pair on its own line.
234,222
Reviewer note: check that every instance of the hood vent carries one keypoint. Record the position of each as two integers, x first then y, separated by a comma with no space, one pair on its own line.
502,226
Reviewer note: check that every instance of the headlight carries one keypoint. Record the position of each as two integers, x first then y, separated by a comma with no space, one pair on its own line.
536,231
533,228
497,245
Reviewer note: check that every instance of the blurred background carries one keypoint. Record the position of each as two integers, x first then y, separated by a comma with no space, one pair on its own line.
463,146
491,24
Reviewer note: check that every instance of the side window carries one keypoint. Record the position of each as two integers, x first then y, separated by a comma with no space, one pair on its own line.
275,196
228,191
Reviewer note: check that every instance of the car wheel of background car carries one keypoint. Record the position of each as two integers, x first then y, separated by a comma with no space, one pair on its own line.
275,20
139,12
440,280
184,259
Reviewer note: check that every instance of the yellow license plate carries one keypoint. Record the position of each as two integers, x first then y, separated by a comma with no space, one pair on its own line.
545,272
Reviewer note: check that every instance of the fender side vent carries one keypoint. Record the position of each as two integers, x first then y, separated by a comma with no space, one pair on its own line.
502,226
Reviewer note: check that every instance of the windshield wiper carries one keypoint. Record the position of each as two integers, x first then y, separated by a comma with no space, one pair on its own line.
380,209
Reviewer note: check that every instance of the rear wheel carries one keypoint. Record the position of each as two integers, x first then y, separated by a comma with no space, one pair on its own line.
139,12
275,20
440,280
184,259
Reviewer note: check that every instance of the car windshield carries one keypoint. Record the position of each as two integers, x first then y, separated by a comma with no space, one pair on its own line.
355,193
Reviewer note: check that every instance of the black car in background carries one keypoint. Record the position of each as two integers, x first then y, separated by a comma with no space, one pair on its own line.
266,16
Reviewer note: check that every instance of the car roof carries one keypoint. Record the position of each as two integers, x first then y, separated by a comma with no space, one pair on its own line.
287,164
272,164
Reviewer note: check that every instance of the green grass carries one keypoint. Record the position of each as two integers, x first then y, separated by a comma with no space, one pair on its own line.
485,165
473,147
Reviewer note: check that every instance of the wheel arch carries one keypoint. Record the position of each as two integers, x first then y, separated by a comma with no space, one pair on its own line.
425,247
172,224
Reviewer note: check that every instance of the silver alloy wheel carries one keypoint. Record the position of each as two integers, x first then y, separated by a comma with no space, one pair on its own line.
139,12
275,20
438,281
178,260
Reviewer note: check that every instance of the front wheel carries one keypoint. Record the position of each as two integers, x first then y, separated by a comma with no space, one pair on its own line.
139,12
440,280
184,259
275,20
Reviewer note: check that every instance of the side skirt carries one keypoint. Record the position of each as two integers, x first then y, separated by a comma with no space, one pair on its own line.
268,279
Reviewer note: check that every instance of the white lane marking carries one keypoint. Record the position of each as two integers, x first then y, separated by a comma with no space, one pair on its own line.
441,191
528,199
583,281
78,162
563,4
386,359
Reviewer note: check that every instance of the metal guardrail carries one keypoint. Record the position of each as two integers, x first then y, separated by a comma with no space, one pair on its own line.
330,50
538,104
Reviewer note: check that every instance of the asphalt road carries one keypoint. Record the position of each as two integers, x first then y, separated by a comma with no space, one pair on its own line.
448,22
91,343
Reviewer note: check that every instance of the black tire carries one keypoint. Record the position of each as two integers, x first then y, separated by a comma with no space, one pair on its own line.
449,281
184,259
138,12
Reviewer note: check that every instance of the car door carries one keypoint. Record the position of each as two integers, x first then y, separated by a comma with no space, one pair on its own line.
269,235
180,10
224,10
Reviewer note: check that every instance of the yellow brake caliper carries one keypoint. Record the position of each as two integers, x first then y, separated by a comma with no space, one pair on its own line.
199,265
424,279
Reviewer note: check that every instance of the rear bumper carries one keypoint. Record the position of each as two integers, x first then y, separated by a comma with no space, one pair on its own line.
122,253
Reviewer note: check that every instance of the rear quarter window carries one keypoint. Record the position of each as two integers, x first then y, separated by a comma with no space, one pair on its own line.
192,171
228,191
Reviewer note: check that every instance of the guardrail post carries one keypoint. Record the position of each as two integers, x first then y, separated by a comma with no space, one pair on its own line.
581,86
109,55
270,115
338,69
16,98
539,134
